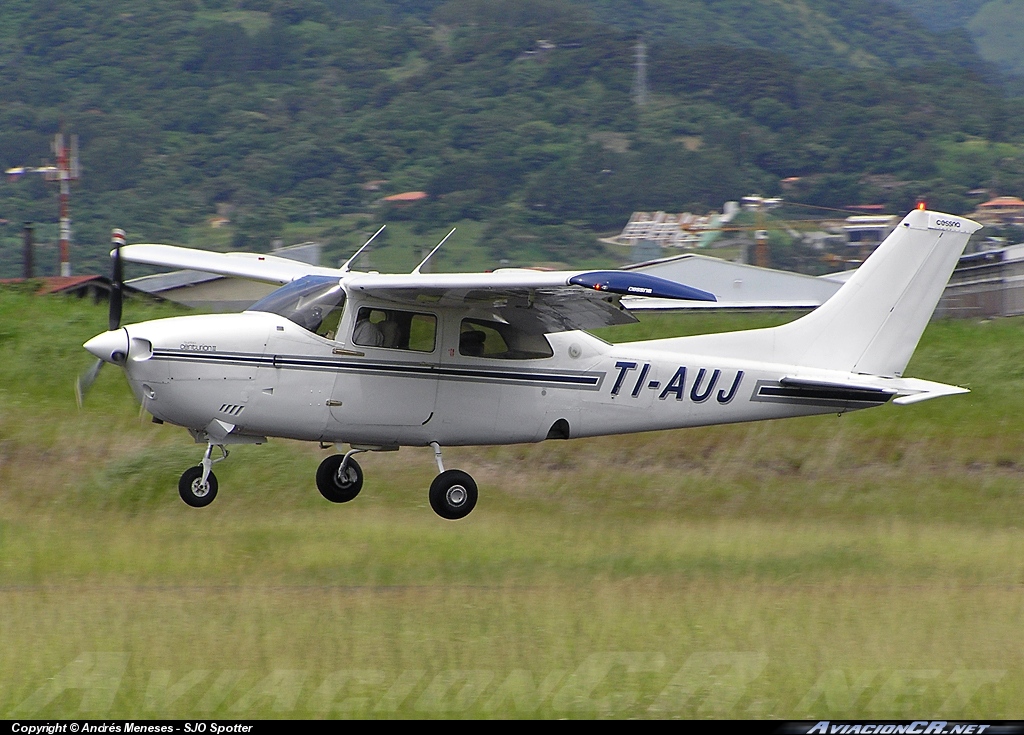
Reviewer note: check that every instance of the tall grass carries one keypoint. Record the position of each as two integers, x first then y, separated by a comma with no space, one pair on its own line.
866,566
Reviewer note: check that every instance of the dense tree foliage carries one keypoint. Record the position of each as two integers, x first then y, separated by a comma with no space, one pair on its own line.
285,111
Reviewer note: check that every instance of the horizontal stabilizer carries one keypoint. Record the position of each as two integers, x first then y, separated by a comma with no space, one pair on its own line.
915,391
837,391
835,394
861,391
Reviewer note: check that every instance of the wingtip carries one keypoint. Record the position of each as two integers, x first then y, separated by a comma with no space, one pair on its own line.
633,283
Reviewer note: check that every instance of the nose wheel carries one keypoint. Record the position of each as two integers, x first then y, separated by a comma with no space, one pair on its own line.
198,485
196,491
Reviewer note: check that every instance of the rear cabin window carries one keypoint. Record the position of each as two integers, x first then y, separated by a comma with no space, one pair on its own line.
395,329
500,341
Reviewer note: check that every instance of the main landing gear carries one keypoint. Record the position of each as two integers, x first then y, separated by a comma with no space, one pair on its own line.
339,477
453,493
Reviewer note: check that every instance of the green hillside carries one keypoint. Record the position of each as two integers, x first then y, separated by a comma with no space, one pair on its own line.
293,118
857,33
943,15
999,34
994,27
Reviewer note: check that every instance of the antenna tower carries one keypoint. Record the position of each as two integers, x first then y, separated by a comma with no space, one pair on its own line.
640,93
66,171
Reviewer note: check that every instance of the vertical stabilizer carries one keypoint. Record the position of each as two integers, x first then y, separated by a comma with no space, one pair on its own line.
873,323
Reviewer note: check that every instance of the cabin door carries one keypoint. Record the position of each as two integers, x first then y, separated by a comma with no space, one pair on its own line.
386,374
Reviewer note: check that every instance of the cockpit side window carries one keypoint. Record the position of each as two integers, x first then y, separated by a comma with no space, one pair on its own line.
395,329
500,341
313,302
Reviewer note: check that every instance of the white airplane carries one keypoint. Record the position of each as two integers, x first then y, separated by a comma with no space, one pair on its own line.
381,361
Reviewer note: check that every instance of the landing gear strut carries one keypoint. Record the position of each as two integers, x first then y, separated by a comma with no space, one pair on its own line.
198,485
453,493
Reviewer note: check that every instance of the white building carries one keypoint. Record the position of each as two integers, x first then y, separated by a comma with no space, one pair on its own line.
683,230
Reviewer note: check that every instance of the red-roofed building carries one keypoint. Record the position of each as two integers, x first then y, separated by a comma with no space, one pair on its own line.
95,287
406,197
1004,202
1000,211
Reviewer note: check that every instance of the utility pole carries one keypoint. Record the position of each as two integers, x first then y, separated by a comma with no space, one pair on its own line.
759,206
27,255
66,171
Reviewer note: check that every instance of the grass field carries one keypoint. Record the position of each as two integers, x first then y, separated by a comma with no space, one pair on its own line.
864,566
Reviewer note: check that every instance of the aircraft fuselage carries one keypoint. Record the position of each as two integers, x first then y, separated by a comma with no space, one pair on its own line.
260,374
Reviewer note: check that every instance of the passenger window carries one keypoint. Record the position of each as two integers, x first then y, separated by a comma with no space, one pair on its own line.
497,340
395,329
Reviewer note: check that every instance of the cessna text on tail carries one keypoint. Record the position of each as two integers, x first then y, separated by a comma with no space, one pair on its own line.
378,361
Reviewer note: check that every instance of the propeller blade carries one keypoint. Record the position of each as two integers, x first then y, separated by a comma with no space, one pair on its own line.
116,281
84,382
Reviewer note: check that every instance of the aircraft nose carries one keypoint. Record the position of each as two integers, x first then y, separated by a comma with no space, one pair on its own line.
110,346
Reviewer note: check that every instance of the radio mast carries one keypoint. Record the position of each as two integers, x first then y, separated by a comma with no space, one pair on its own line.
66,171
640,93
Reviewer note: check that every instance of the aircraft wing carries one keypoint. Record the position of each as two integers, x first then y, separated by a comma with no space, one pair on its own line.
535,301
257,267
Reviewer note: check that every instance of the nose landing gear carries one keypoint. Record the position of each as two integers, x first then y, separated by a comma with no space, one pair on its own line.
198,485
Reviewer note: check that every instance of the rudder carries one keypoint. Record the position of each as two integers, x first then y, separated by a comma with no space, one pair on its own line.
873,323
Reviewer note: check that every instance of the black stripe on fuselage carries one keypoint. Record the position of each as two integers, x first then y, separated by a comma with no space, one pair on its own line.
829,396
580,380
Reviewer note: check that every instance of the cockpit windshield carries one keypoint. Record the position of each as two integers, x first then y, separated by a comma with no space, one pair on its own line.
313,302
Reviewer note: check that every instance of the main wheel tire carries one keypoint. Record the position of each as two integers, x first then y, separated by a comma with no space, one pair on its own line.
193,491
453,494
333,485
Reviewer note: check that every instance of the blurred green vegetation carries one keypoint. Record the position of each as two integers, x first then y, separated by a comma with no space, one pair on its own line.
293,118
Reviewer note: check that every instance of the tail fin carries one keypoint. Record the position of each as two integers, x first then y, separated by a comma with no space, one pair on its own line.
873,323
